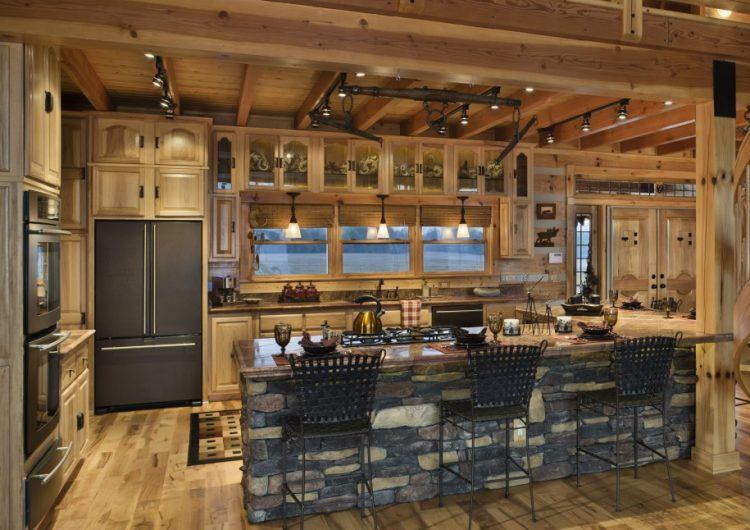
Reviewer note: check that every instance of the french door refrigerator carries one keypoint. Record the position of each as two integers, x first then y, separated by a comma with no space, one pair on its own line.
147,291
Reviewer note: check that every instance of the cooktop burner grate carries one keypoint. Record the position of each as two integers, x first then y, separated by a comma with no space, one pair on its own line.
398,336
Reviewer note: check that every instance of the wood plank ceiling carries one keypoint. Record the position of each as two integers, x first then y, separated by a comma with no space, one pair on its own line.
107,79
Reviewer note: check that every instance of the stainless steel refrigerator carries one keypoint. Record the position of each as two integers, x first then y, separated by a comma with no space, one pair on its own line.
147,290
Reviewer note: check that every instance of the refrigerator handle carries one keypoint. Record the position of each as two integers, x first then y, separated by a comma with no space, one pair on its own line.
145,278
153,286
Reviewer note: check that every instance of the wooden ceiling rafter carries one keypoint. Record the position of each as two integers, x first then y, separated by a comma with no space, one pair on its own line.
324,81
77,66
173,84
488,118
247,96
376,108
658,138
676,147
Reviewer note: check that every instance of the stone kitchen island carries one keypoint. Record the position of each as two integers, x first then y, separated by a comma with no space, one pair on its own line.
405,420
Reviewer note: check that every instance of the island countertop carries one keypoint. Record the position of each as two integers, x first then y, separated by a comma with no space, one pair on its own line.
255,357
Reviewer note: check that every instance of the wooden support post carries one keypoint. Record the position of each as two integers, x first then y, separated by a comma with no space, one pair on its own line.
632,20
714,449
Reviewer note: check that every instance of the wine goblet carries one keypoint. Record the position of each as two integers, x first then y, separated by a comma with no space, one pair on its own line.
610,316
282,333
495,323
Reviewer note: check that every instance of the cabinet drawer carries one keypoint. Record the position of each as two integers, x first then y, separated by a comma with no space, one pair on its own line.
267,322
68,370
336,320
82,359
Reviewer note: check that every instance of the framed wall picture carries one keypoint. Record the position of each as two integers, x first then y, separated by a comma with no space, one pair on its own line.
546,210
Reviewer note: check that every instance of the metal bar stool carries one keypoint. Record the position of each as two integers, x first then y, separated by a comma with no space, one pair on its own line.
336,394
502,378
641,372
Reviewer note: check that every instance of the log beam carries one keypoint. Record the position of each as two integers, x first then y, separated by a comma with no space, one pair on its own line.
667,136
377,108
79,69
646,125
676,147
714,449
247,95
322,84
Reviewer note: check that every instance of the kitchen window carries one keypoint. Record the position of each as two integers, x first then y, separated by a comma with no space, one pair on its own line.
362,252
443,252
276,255
583,247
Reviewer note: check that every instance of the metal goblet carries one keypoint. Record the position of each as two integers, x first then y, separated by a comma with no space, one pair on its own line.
495,323
610,316
282,333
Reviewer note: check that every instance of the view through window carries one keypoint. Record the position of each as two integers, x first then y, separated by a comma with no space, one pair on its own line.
583,249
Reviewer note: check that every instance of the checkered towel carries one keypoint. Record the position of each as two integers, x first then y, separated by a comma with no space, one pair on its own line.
410,310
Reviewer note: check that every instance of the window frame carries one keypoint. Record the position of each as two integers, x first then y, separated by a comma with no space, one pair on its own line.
487,241
295,277
401,274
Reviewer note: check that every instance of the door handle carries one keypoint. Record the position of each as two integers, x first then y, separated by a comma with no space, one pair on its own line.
156,142
141,192
46,477
156,192
233,163
653,286
653,276
662,285
149,346
48,101
145,278
61,337
233,227
80,421
141,141
153,286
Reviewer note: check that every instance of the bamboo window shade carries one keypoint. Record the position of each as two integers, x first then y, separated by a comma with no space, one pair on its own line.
369,215
277,215
451,215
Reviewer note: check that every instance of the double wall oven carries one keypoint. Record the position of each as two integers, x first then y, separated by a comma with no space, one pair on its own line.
45,456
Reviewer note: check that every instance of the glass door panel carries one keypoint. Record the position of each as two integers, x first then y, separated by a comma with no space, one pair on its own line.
467,162
294,155
262,161
367,165
494,172
404,157
522,175
224,164
335,163
433,168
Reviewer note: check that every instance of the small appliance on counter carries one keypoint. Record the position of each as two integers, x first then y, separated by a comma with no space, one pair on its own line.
368,322
300,293
224,290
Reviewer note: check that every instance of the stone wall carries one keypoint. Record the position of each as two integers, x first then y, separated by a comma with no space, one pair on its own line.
406,433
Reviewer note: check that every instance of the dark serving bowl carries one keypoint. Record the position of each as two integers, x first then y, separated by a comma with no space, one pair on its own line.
582,309
318,350
632,304
464,338
594,329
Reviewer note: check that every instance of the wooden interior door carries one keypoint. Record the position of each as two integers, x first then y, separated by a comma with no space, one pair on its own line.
633,253
178,192
677,256
179,143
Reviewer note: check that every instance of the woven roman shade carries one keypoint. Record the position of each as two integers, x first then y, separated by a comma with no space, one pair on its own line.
277,215
369,215
451,215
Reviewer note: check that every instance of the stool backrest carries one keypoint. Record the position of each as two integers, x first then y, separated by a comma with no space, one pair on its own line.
335,388
503,375
641,366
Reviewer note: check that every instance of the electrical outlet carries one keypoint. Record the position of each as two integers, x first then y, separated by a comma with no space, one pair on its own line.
444,284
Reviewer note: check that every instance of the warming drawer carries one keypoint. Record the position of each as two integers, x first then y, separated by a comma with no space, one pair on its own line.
458,315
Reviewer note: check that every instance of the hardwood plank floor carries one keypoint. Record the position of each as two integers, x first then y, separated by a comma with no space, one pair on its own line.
135,476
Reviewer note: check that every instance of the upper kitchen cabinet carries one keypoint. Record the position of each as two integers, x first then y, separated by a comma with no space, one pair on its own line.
417,167
493,172
261,161
178,192
42,110
119,140
225,150
294,167
179,143
350,165
366,165
432,166
523,171
274,162
73,199
119,191
467,160
11,115
403,166
73,143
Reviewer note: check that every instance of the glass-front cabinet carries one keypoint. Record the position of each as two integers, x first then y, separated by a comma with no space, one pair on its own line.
350,165
295,153
522,171
262,161
467,168
366,165
404,166
432,168
417,167
494,172
336,164
225,162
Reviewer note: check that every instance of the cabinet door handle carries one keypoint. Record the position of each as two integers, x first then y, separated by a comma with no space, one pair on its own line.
156,192
233,227
141,141
156,142
653,286
662,285
653,276
80,421
661,276
48,101
233,163
140,191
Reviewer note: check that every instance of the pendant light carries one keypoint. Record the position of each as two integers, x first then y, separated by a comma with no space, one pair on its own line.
550,137
292,231
586,124
622,111
383,227
464,115
463,228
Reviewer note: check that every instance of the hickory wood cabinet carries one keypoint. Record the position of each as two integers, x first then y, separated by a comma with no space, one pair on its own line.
417,167
516,209
350,165
223,228
74,404
73,281
223,376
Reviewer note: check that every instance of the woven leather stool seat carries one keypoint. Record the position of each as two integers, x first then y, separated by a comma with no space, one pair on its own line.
608,396
464,409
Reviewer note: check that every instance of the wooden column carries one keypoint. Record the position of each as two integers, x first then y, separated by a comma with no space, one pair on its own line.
714,449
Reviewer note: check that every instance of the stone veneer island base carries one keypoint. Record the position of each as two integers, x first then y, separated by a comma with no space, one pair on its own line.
405,422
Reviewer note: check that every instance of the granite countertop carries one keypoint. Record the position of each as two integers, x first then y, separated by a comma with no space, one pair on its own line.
255,361
243,307
77,337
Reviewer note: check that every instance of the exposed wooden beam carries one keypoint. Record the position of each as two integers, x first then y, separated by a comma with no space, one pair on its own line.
417,123
274,33
173,85
666,136
377,108
321,86
488,118
79,69
607,119
605,173
558,112
676,147
247,95
649,124
615,160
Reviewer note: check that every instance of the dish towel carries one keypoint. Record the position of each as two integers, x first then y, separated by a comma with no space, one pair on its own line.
410,310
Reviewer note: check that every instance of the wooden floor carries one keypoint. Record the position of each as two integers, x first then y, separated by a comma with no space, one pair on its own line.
135,476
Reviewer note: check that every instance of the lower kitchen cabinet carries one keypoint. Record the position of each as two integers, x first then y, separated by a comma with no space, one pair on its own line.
68,409
74,404
223,377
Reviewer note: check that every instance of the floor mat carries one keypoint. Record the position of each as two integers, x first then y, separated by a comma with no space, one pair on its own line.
214,437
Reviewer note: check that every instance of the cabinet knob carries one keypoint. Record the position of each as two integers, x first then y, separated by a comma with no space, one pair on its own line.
233,163
662,285
653,286
80,421
71,372
140,191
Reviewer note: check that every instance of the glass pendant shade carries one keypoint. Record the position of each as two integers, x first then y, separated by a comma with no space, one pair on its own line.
293,231
383,227
463,231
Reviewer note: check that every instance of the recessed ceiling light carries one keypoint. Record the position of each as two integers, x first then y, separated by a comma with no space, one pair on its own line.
149,55
360,74
723,13
529,89
669,103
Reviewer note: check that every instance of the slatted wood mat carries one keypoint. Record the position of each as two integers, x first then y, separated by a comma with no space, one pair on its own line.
214,437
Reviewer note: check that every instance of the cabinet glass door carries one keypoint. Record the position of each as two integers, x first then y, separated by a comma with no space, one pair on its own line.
467,162
404,166
224,163
262,161
522,175
294,156
433,168
335,163
366,165
494,172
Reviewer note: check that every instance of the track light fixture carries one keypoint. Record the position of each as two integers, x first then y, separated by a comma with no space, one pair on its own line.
149,55
550,137
360,74
314,124
161,81
325,110
465,115
622,110
586,123
546,133
157,81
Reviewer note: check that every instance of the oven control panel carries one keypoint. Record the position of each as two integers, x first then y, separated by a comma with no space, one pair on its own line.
41,208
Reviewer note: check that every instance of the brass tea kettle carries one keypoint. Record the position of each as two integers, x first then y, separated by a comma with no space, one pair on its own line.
368,321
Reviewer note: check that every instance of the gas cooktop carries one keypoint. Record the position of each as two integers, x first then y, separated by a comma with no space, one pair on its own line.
397,336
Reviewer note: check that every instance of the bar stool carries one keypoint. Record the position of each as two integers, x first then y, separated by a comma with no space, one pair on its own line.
336,394
502,378
641,371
